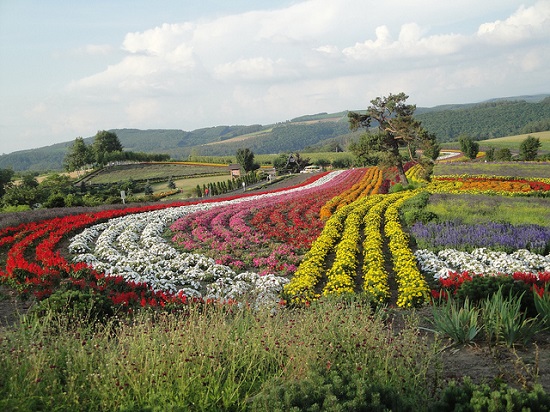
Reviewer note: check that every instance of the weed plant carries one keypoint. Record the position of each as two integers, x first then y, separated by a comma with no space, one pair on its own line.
209,358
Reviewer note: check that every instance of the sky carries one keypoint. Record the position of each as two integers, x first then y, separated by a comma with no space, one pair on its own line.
71,68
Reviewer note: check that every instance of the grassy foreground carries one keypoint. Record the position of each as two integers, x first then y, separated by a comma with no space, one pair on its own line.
335,355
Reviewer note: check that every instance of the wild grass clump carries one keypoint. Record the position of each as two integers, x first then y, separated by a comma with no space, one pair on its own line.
210,357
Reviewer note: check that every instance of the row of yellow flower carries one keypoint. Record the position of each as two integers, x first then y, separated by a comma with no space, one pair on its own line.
375,275
301,288
412,288
416,174
369,184
341,276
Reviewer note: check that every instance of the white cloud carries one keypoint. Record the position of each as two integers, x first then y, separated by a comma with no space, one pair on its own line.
312,56
525,24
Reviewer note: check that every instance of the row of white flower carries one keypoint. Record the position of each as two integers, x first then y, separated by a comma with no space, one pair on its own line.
480,261
132,246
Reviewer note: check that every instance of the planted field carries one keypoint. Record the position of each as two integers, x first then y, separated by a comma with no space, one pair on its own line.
155,171
535,170
255,299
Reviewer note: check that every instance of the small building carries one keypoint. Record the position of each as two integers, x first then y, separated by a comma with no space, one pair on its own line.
235,170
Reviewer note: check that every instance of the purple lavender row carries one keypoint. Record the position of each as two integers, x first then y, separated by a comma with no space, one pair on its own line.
497,236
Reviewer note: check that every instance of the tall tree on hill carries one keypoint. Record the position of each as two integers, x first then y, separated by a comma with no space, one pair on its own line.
245,157
396,129
78,155
529,148
105,142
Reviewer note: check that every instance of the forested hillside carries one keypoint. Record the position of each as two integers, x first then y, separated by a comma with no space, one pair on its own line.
488,120
495,118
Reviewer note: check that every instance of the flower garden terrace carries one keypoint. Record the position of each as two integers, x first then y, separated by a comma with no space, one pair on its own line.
336,233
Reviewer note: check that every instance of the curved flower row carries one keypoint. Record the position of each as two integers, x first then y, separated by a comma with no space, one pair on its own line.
132,247
416,174
412,288
370,184
481,261
269,234
489,184
35,265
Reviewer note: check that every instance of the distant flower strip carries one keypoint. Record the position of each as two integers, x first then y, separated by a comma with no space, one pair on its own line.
481,261
489,185
370,184
497,236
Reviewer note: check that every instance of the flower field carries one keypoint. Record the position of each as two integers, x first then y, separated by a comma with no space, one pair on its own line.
331,235
312,255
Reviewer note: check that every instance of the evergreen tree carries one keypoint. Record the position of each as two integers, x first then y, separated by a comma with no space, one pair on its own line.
529,148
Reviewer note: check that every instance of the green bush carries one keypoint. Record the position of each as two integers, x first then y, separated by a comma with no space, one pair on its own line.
467,396
343,389
75,305
482,287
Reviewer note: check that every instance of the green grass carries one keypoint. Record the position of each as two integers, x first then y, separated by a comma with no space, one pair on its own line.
214,358
512,169
476,209
509,142
187,186
154,171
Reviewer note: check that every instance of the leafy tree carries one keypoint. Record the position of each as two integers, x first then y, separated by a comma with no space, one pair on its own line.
468,146
245,157
528,149
5,179
490,154
503,154
396,128
78,155
105,142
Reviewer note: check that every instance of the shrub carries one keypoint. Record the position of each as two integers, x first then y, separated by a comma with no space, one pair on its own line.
467,396
482,287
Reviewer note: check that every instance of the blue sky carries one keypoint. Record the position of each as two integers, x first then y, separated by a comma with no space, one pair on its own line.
71,68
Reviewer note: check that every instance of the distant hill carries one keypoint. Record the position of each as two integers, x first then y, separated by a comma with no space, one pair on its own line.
485,120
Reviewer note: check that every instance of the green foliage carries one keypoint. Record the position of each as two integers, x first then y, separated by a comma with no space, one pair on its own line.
337,389
503,154
5,179
528,149
485,120
505,321
490,154
74,306
542,304
458,321
245,157
466,397
468,146
396,128
78,155
105,142
483,287
414,210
